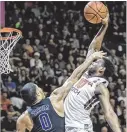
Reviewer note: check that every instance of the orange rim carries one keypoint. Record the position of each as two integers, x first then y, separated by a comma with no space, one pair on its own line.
8,30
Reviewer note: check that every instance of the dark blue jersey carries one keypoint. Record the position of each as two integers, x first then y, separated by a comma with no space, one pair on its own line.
44,117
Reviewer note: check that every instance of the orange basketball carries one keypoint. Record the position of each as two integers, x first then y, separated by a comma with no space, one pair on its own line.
95,10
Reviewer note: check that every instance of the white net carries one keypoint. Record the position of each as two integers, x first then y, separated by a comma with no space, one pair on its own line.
6,46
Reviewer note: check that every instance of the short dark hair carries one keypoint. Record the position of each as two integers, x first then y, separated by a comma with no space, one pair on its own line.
110,69
28,93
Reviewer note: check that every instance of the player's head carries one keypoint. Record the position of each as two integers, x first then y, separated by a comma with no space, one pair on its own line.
32,94
101,67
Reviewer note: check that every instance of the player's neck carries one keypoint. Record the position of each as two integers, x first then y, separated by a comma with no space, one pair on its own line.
95,75
37,101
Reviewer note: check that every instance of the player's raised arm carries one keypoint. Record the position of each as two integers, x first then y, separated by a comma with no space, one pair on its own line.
96,43
77,73
110,115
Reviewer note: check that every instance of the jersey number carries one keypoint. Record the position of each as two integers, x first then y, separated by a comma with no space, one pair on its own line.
45,121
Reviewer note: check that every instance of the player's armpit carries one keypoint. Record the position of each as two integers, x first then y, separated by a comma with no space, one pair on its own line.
109,113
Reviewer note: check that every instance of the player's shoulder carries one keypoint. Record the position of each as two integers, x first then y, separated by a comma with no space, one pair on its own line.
23,117
99,80
101,89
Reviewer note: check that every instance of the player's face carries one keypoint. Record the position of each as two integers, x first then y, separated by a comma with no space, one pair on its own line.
95,66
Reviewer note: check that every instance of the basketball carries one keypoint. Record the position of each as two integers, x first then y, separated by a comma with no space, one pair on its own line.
94,11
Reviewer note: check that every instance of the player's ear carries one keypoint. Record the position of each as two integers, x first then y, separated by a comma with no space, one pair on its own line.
37,92
102,70
41,92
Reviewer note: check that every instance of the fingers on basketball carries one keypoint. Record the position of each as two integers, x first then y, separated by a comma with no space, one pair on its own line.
95,11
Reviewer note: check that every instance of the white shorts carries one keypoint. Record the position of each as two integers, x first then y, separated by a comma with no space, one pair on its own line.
73,129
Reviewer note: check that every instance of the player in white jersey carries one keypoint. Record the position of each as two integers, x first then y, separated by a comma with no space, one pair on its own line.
89,91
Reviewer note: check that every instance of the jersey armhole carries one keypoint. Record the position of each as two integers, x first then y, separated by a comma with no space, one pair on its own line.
97,90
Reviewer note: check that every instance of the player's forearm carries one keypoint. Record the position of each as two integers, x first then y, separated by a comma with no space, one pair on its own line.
97,41
81,69
102,31
113,122
77,73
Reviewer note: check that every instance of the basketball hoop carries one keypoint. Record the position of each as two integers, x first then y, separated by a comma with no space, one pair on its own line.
8,39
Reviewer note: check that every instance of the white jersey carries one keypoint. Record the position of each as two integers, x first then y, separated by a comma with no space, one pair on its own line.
80,101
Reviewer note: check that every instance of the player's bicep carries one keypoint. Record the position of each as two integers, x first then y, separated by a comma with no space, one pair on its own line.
105,99
105,104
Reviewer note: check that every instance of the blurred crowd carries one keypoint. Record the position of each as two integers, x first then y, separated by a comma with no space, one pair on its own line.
55,41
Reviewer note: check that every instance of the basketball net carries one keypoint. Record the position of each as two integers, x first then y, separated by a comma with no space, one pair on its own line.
6,45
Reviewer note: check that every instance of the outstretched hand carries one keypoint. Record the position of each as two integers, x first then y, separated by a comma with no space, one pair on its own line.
98,55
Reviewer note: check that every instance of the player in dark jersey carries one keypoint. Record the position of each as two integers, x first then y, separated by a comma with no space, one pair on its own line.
47,114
